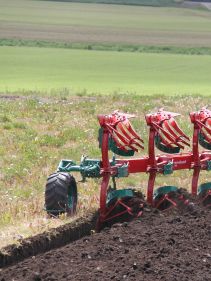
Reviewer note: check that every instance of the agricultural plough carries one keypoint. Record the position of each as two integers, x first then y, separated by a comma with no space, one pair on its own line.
116,134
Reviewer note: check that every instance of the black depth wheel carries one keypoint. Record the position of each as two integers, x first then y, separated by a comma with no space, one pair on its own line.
60,194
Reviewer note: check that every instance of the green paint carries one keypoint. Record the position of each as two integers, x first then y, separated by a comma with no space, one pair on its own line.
162,147
89,168
203,142
159,192
168,168
114,195
208,165
204,187
113,147
122,171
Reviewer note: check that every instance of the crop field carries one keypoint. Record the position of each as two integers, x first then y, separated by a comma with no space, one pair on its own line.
84,22
63,63
100,27
155,3
87,72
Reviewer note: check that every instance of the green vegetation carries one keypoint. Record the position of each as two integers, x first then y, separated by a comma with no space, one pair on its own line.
50,96
155,3
108,47
84,71
37,132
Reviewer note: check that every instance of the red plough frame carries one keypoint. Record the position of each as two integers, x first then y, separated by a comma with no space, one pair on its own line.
164,133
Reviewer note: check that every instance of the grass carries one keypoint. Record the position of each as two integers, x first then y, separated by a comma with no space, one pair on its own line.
156,3
91,23
84,71
60,26
108,47
37,132
46,113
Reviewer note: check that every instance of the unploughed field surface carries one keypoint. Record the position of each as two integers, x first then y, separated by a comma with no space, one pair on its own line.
81,71
84,71
174,246
37,132
84,22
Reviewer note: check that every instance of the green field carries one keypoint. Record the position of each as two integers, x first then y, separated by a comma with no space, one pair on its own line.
63,63
99,26
83,71
175,30
126,2
83,22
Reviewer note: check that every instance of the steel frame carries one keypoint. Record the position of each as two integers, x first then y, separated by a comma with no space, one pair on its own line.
163,125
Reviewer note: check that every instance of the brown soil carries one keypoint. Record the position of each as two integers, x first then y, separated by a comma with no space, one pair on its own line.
46,241
103,35
173,245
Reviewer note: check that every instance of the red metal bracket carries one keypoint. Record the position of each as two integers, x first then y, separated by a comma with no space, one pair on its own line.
118,127
202,125
163,124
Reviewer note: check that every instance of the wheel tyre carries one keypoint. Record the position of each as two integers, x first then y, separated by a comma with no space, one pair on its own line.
60,194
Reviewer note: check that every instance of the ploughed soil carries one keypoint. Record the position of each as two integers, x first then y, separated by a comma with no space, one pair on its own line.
173,245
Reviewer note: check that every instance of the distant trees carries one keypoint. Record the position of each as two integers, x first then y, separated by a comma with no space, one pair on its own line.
209,1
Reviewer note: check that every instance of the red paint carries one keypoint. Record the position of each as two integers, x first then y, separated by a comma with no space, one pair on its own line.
162,124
